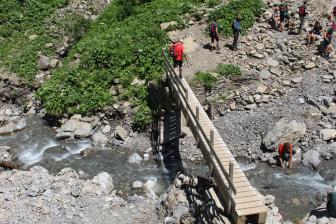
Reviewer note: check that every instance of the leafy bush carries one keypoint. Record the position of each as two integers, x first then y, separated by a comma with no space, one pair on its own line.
20,19
206,79
226,14
228,70
124,43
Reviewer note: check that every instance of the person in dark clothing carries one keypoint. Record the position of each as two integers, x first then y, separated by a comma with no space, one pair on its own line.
302,15
314,34
283,8
236,27
213,30
331,204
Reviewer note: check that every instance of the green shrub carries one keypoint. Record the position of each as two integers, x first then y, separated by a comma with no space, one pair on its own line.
206,79
123,43
226,14
228,70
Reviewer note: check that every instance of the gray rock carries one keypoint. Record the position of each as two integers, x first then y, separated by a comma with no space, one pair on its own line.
135,158
104,183
261,89
43,62
99,139
310,65
311,157
284,131
327,134
170,220
8,129
137,185
79,128
272,62
264,74
75,190
269,199
121,133
166,25
180,210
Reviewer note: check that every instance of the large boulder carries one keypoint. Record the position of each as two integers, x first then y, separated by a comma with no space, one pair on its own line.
80,129
102,184
284,131
99,139
327,134
121,133
311,158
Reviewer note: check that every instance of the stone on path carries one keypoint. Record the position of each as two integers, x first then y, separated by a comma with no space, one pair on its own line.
310,65
272,62
261,89
327,134
166,25
264,74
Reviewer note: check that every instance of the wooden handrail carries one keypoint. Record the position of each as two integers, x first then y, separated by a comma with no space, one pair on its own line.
184,94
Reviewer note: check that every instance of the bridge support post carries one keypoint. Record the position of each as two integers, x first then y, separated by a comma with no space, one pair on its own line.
229,203
197,138
186,98
212,142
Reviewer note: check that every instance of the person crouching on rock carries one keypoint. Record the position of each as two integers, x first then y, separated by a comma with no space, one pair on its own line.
286,154
314,34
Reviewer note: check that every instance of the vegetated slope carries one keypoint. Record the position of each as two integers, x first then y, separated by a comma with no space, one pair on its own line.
26,26
248,9
123,44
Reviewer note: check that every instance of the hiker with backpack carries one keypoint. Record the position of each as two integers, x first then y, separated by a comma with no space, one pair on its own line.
314,34
283,9
213,31
302,15
325,47
276,18
236,28
176,50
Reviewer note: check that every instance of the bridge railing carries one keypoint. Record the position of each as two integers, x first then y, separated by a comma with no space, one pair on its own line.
184,95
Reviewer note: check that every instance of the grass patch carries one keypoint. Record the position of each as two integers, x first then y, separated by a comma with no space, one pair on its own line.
208,81
124,43
228,70
248,9
21,19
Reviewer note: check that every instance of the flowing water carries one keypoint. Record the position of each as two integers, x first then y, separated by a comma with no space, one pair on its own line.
297,191
36,145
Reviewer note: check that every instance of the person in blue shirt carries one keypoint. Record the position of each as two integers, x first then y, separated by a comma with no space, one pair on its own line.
236,27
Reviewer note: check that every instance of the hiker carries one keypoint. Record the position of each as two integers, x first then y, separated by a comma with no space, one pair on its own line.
213,30
276,18
325,47
302,15
236,27
331,204
285,154
283,9
333,14
179,55
314,34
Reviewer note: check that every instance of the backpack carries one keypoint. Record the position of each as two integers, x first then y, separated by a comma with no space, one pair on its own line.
212,28
302,10
171,50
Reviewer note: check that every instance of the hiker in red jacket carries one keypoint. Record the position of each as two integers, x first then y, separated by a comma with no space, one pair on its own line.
285,154
179,55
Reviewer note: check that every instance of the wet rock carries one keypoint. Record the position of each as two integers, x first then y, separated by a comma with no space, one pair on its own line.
284,131
99,139
120,133
103,183
80,129
43,62
135,158
137,185
7,129
327,134
311,158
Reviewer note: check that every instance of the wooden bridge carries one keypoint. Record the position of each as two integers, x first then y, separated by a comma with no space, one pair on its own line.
239,199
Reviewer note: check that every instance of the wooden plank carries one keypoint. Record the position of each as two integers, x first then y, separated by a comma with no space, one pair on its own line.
247,199
251,211
246,205
245,194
